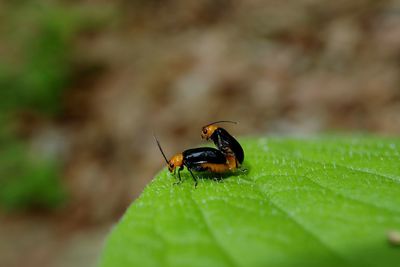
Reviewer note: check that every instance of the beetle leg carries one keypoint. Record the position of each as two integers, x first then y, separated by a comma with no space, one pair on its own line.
179,176
243,169
194,178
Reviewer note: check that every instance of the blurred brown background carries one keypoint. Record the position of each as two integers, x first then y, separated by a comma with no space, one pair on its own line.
83,84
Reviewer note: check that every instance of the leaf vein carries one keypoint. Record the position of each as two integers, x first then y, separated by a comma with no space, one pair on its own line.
300,225
228,257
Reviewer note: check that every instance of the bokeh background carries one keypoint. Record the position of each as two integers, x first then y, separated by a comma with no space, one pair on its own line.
83,85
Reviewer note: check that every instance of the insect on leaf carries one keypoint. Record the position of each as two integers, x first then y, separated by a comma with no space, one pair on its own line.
327,201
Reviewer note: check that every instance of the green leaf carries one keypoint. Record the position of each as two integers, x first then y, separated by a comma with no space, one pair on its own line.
303,202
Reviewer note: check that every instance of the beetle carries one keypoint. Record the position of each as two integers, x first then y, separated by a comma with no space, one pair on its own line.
199,159
223,140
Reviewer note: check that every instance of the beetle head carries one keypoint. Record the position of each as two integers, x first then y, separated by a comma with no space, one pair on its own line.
175,161
208,130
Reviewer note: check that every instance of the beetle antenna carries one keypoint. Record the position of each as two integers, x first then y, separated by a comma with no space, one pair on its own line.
159,146
234,122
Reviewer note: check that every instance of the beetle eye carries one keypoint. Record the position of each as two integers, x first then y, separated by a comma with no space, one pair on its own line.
171,165
204,131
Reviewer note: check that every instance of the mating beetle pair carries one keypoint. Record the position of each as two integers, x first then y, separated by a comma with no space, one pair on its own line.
227,157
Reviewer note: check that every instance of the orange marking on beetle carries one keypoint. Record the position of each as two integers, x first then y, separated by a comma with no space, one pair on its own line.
215,167
232,162
230,165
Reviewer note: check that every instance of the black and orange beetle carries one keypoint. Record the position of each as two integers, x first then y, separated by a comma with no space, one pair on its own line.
225,142
200,160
